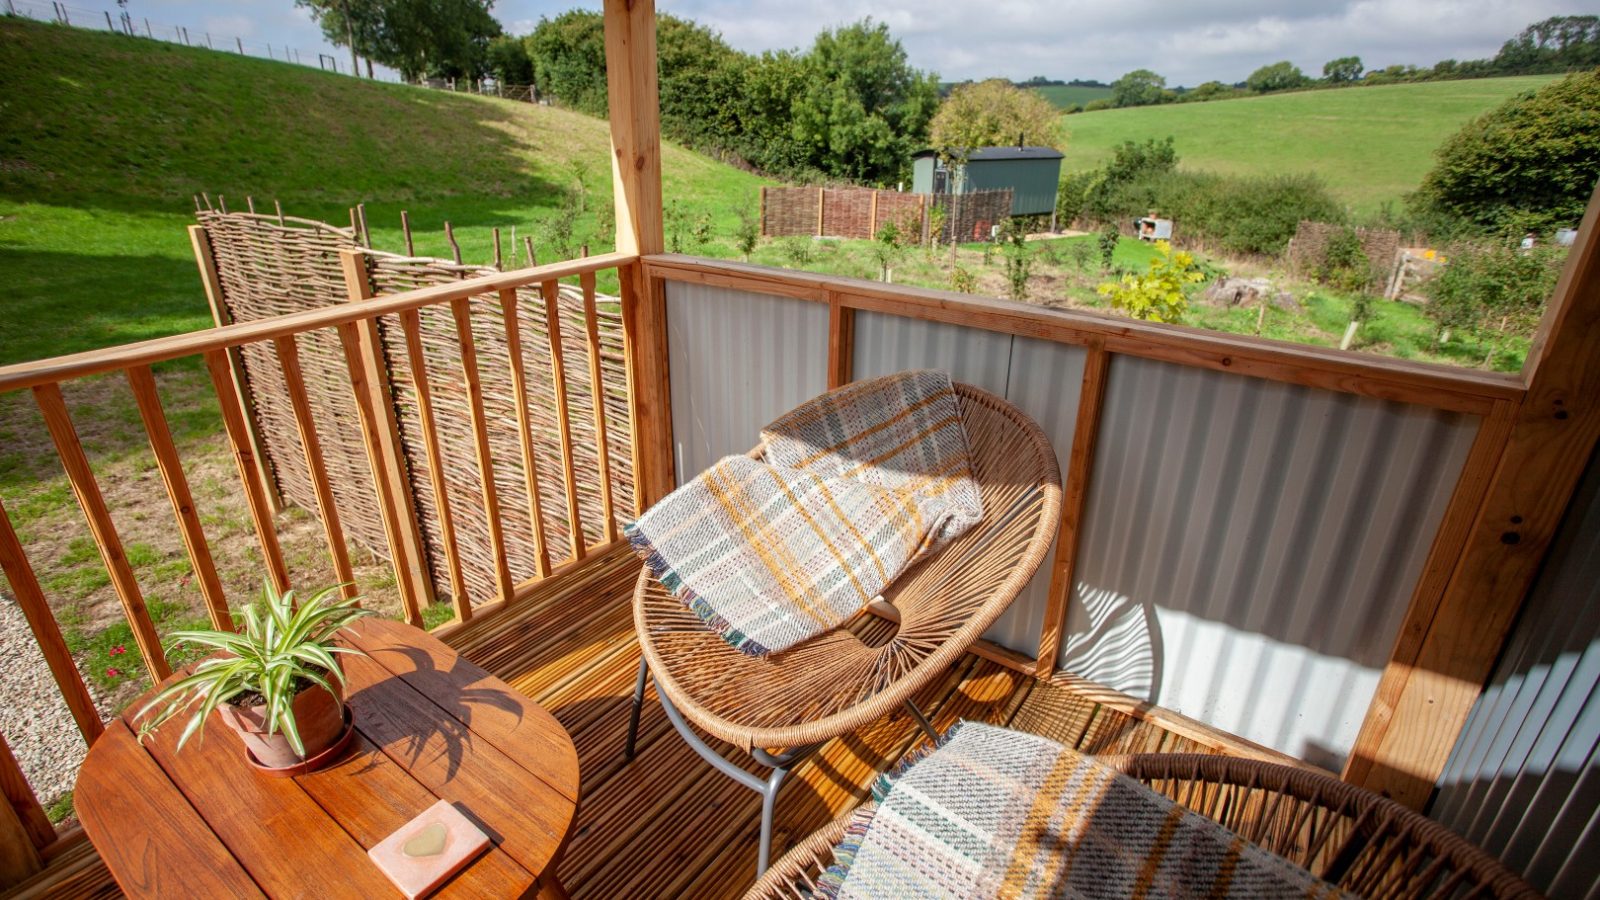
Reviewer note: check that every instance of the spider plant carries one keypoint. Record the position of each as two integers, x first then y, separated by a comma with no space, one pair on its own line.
284,648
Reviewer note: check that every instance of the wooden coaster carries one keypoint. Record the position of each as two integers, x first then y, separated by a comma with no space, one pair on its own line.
427,850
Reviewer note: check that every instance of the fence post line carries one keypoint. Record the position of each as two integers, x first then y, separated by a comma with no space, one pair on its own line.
872,216
369,377
821,200
1080,465
19,856
211,281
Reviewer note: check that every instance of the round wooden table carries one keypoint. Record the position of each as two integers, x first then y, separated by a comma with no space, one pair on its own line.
431,726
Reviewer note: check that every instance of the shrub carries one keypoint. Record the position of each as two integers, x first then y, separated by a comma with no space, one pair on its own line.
797,251
1107,241
1244,214
1157,295
1528,165
887,247
1493,288
1345,266
1018,258
962,281
747,234
1097,105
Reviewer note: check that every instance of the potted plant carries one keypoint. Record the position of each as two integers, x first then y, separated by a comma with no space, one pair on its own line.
277,682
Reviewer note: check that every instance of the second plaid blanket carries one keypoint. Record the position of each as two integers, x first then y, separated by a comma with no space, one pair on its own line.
853,487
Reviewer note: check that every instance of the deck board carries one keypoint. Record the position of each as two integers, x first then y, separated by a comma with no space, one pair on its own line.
666,824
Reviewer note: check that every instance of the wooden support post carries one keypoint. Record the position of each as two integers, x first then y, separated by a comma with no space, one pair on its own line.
369,378
841,342
101,528
872,217
821,205
524,407
22,824
143,384
212,282
1432,680
761,212
636,172
46,633
1085,433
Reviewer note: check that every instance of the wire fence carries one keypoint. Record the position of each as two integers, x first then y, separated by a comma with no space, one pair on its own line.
119,20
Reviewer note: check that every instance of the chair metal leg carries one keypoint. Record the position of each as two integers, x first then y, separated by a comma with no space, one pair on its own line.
638,704
769,799
927,727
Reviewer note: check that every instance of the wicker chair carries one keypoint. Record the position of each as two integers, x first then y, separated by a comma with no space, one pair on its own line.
1363,843
780,708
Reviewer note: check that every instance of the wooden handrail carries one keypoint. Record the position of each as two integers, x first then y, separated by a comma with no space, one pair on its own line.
1427,384
109,359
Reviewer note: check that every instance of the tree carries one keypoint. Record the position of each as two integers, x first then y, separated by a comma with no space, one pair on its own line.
1530,164
1278,76
569,60
1556,44
994,113
1344,70
348,23
444,38
1157,295
1141,87
508,60
862,109
1210,90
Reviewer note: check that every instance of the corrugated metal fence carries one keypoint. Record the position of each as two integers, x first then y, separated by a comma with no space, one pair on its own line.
1524,780
1249,547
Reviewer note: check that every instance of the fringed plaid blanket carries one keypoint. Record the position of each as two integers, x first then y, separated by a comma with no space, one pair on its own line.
854,486
999,813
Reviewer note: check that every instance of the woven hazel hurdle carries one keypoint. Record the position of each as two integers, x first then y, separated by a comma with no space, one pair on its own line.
781,707
270,265
1363,843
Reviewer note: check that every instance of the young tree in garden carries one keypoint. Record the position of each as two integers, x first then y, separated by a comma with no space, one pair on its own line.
1530,164
1107,241
886,249
1141,87
509,62
1157,295
1344,70
747,234
1018,258
1279,76
996,113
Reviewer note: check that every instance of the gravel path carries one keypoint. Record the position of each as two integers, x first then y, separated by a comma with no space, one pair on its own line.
33,717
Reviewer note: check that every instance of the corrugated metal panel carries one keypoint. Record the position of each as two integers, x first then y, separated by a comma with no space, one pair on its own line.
1249,548
887,344
738,360
1523,781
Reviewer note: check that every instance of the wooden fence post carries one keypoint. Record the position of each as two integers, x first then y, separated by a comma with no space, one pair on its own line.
821,201
1451,638
369,377
19,854
761,214
212,282
630,29
872,217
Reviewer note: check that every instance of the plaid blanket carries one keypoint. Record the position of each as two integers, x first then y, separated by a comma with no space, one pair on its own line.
999,813
853,487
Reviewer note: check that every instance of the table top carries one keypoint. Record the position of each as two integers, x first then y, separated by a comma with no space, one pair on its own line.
430,726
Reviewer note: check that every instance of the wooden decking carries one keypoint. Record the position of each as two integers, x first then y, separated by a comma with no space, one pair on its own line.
668,825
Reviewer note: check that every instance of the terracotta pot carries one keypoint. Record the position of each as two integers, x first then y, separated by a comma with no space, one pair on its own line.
318,714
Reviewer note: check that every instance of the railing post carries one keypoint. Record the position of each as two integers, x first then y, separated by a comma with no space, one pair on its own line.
841,342
212,282
630,28
19,843
1450,643
369,378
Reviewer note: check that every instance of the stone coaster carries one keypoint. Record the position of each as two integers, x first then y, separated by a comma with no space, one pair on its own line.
429,849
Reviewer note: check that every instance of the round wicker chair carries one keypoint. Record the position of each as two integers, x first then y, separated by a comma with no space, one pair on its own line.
1365,844
781,707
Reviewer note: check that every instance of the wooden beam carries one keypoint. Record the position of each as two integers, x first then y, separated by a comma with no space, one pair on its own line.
1423,702
841,343
597,398
462,312
46,632
143,384
550,292
19,843
634,103
221,316
101,528
644,336
1085,433
524,408
369,378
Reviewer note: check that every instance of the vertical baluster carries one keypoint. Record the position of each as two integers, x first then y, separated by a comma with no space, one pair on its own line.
551,291
143,384
841,341
255,494
480,439
294,380
380,433
25,587
519,394
76,464
411,323
597,396
24,828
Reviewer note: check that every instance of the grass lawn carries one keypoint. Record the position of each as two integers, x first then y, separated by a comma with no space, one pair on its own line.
1371,145
1065,95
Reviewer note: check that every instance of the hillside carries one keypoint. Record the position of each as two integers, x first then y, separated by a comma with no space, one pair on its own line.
108,137
1371,145
1065,95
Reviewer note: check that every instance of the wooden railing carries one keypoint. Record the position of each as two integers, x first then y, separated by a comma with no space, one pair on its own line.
357,325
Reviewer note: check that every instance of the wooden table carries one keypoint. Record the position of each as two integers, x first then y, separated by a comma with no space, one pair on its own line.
430,725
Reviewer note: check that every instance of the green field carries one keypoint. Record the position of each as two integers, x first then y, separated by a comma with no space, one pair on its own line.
1063,95
107,138
1371,145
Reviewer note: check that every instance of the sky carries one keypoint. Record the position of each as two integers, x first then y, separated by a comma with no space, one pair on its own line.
1187,42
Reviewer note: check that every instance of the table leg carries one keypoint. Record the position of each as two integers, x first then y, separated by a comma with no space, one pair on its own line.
550,887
